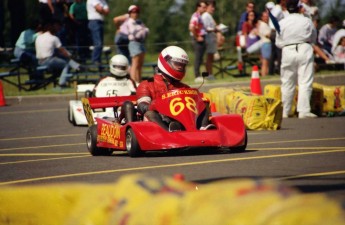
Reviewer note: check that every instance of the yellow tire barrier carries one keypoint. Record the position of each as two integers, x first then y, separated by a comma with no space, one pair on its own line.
141,199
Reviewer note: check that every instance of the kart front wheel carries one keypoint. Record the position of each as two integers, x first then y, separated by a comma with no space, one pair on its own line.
132,145
71,118
91,142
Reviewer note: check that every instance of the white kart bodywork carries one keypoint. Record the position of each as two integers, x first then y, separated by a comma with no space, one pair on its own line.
76,114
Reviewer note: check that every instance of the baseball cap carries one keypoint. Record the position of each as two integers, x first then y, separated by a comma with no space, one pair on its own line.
133,8
270,5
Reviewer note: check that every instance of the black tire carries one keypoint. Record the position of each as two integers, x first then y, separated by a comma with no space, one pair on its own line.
70,114
91,143
132,145
240,148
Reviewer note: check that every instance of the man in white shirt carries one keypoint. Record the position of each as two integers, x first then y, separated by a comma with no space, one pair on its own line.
45,45
297,33
326,34
96,10
211,37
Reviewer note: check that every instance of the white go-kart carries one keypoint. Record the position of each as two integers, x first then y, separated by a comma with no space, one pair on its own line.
76,114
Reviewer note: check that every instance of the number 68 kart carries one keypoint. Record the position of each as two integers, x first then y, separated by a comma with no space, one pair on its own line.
181,105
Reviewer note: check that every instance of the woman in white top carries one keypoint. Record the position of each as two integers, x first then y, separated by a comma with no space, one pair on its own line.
264,45
137,32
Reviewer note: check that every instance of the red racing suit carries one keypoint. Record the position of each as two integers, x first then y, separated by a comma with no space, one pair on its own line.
148,90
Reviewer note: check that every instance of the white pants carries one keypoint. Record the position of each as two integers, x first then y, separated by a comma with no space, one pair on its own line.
297,66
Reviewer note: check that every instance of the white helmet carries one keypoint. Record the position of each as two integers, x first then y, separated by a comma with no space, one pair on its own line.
119,65
173,61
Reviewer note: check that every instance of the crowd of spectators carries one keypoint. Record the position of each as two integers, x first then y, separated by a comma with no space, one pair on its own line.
259,38
82,26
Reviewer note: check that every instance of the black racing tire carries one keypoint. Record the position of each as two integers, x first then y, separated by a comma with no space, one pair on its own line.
91,143
132,145
242,148
70,115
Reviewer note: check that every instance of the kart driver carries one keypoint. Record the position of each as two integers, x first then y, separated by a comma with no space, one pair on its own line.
118,83
172,63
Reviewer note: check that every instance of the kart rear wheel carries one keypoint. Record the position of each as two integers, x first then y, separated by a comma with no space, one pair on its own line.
91,142
132,145
240,148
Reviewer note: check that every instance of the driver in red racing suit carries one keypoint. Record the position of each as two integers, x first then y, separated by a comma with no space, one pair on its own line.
172,64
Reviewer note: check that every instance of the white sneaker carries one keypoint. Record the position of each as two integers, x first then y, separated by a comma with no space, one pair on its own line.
210,77
198,80
306,115
285,116
330,62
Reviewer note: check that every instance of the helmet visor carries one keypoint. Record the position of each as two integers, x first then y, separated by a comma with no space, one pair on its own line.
178,64
119,67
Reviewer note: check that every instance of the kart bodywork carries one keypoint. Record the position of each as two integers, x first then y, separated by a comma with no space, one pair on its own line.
76,114
182,105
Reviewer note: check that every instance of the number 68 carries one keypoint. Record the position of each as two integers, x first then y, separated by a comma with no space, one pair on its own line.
177,106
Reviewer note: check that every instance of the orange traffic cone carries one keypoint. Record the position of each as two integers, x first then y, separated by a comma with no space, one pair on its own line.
255,86
2,97
213,108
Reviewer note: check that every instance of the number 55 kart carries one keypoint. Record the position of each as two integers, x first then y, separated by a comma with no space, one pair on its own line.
183,106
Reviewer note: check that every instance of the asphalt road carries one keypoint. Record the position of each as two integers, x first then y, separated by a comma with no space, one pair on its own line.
38,146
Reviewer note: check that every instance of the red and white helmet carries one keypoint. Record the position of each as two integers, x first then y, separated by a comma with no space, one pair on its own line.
119,65
173,61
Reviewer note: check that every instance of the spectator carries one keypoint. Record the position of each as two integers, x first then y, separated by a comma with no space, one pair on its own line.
320,55
121,35
296,34
250,7
339,51
25,45
46,10
172,65
198,32
211,37
279,12
96,10
264,45
62,15
78,15
2,25
326,34
249,29
118,83
137,32
337,36
46,44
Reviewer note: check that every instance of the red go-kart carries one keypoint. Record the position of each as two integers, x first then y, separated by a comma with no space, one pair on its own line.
182,105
